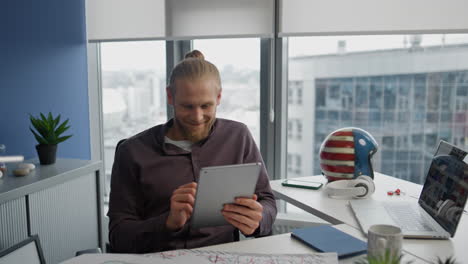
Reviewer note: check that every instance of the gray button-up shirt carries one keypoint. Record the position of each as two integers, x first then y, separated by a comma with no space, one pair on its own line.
146,171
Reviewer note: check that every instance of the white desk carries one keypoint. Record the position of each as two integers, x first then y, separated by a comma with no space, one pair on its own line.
337,211
279,244
285,244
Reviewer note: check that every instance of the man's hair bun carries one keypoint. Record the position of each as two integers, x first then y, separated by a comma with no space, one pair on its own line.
193,67
195,54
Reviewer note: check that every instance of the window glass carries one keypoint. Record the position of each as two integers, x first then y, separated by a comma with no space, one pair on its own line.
133,91
407,91
238,61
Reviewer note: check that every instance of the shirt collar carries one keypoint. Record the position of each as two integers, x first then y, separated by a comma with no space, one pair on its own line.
170,149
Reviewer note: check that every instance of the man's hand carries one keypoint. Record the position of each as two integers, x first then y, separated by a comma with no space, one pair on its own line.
182,201
245,214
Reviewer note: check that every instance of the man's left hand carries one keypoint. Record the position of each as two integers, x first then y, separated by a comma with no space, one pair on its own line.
244,214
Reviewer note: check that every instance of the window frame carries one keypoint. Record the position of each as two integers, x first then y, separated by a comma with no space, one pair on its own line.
273,92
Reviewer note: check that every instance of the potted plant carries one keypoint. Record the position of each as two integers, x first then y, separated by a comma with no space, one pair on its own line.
386,259
449,260
48,131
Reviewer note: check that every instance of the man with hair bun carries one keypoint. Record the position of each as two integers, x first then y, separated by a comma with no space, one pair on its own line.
153,183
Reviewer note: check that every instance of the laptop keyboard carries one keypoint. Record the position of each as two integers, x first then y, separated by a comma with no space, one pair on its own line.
407,217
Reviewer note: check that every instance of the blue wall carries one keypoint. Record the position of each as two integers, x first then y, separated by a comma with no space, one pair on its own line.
43,68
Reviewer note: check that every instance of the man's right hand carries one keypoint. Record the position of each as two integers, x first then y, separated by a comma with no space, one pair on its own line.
182,201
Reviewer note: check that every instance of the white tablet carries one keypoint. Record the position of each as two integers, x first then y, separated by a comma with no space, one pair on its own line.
221,185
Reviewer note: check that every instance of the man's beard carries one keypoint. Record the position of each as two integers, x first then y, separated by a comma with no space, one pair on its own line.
197,135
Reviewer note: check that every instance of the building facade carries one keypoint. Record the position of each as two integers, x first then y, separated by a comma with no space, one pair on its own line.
408,99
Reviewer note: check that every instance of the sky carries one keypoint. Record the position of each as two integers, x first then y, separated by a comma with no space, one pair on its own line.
135,55
244,53
144,55
299,46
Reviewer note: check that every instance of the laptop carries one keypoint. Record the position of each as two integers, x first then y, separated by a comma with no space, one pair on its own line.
440,206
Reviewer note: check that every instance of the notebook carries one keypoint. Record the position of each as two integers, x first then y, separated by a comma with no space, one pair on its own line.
440,206
326,238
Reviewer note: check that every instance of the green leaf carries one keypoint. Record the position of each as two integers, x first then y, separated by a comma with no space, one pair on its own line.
48,128
44,121
386,258
61,139
56,121
62,128
33,121
52,139
41,128
38,138
50,119
65,129
38,125
449,260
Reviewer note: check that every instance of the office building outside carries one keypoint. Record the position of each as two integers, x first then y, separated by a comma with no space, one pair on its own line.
407,98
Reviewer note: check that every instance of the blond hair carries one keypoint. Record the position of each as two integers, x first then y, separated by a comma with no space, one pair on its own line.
193,67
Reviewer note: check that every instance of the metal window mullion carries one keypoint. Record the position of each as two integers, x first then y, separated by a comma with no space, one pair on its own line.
279,69
273,106
281,106
439,106
267,118
95,101
175,51
97,132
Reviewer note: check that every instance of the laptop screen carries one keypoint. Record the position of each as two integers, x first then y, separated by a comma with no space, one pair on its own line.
446,188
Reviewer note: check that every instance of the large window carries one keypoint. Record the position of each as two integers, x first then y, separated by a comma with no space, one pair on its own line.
407,91
133,91
238,61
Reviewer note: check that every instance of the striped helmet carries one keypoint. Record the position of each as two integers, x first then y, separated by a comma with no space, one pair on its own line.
346,154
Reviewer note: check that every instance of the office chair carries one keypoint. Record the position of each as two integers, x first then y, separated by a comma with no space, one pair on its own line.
27,251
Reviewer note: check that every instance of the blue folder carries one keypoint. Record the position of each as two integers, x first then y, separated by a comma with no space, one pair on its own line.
329,239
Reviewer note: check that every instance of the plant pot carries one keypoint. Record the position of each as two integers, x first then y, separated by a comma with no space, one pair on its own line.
47,153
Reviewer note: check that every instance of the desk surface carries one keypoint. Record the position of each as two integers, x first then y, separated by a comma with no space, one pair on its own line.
285,244
44,176
279,244
337,211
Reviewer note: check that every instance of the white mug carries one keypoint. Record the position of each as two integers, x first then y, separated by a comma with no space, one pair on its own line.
384,241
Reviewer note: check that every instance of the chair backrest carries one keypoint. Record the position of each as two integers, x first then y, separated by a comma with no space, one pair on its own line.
27,251
236,234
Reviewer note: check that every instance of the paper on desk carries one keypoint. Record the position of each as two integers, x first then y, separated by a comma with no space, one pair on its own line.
205,257
208,256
